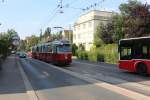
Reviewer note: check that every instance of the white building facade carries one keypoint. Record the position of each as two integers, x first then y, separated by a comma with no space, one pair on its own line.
85,27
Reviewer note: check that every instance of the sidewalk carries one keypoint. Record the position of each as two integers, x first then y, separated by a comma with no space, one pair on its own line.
11,83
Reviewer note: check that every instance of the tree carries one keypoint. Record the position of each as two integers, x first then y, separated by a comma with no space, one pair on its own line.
126,8
6,42
97,36
74,49
47,32
137,18
81,47
118,27
32,41
23,44
104,34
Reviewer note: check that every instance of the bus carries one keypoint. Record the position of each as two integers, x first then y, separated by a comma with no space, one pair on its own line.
134,55
57,52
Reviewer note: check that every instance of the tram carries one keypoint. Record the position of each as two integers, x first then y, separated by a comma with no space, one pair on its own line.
56,52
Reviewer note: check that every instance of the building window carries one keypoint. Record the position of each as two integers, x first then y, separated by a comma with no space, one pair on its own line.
84,26
74,28
79,27
89,24
78,36
74,36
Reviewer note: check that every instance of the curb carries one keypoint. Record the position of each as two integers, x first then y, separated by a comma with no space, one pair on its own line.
30,91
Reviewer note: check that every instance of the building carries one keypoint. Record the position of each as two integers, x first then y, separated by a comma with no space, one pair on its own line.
68,35
85,27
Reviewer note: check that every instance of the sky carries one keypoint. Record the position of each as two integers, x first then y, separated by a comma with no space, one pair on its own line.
27,17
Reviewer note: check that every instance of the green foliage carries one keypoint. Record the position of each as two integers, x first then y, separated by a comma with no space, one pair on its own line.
134,21
31,41
97,36
83,55
110,52
6,42
104,34
23,44
47,32
137,18
118,27
95,55
126,8
81,47
74,49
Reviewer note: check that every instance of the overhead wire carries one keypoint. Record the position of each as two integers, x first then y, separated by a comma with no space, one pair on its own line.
53,14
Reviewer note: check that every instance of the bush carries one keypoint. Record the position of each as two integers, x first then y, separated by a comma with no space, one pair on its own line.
74,49
82,55
110,53
100,57
106,53
95,55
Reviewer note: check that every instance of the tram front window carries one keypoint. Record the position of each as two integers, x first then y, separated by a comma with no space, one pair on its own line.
64,48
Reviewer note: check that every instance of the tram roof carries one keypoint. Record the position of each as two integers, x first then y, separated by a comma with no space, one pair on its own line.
57,42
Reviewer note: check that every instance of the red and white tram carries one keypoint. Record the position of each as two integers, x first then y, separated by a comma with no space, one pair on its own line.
56,52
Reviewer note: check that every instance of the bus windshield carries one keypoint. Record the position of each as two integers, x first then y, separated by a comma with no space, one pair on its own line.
125,53
64,48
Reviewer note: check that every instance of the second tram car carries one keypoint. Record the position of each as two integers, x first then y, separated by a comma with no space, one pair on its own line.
56,52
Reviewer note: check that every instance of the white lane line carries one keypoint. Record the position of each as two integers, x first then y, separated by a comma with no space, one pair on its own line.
116,89
30,91
123,83
89,64
119,90
46,73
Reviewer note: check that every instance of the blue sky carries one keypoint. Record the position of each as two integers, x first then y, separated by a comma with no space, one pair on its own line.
27,17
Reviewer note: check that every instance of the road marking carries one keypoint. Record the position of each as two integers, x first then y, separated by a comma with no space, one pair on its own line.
120,82
119,90
46,73
116,89
30,91
89,64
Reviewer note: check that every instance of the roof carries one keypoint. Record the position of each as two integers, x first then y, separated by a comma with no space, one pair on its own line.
148,37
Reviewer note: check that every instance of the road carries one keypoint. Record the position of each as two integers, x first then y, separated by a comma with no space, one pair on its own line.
111,74
36,80
54,84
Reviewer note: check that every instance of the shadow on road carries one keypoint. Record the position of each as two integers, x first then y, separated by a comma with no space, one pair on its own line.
43,76
10,78
107,72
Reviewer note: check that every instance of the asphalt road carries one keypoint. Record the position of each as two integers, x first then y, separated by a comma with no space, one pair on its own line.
111,74
50,83
11,83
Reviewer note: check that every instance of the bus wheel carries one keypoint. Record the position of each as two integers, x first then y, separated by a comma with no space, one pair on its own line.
141,68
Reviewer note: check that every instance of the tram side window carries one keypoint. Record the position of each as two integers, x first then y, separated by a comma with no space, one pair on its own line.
125,53
49,49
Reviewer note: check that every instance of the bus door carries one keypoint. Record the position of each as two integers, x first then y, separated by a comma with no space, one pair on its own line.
126,61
